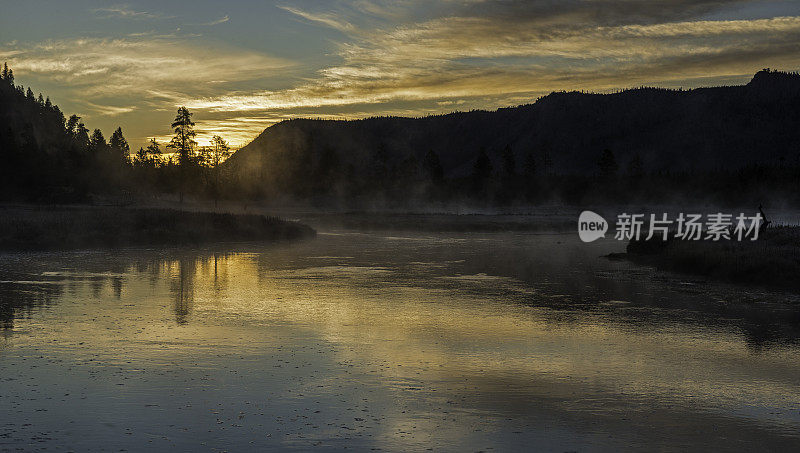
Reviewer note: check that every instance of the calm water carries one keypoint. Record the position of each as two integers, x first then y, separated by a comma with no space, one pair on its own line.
393,341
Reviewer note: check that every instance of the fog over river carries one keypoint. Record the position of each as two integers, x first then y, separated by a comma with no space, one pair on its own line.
390,340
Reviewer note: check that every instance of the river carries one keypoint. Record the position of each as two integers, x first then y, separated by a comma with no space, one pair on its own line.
396,341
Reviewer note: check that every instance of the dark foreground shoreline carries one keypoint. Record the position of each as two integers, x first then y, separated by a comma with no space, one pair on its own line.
772,261
59,228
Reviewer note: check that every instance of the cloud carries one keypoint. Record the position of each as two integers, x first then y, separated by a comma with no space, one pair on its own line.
326,19
109,110
125,12
221,20
457,57
415,57
135,65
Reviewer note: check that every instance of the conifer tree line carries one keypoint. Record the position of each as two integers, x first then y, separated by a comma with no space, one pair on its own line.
360,164
49,158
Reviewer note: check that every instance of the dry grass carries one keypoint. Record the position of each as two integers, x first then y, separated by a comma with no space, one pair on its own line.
772,261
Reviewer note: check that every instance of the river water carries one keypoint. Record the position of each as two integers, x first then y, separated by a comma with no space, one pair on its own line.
394,341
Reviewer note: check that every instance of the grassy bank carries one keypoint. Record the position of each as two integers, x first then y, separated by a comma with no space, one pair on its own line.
45,228
772,261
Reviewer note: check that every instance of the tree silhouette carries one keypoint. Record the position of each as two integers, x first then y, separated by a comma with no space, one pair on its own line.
97,143
151,153
481,172
219,152
82,136
529,168
482,169
119,146
183,142
509,163
72,124
529,175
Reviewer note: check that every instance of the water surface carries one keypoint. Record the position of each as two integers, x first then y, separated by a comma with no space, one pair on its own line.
393,341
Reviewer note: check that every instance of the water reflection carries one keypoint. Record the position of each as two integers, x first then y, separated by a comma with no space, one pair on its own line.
182,286
447,337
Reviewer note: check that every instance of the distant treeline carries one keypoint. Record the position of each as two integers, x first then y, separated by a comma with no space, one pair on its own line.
49,158
729,144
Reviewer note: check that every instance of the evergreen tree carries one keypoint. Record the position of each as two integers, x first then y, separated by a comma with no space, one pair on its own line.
153,148
72,124
141,155
481,173
529,173
183,141
97,143
482,169
219,152
529,169
119,146
81,136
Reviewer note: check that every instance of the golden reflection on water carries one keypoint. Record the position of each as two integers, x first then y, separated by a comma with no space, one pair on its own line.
472,338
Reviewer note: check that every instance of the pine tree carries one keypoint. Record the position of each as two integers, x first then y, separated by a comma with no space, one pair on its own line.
97,143
219,152
482,169
529,168
509,163
183,141
82,136
153,148
119,145
72,124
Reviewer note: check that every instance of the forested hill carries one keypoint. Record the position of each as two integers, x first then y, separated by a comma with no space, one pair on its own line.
46,157
704,129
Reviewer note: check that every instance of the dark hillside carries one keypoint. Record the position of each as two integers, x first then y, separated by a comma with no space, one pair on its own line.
663,131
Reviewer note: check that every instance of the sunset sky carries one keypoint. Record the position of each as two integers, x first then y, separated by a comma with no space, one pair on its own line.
242,66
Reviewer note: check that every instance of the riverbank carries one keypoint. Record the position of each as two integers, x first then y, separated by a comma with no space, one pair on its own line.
772,261
51,228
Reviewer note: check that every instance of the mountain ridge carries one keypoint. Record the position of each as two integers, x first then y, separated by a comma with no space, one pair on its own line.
668,130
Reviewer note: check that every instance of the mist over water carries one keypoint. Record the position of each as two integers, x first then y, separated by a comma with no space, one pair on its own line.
390,340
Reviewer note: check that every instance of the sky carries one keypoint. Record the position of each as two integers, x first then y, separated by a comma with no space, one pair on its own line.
241,66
